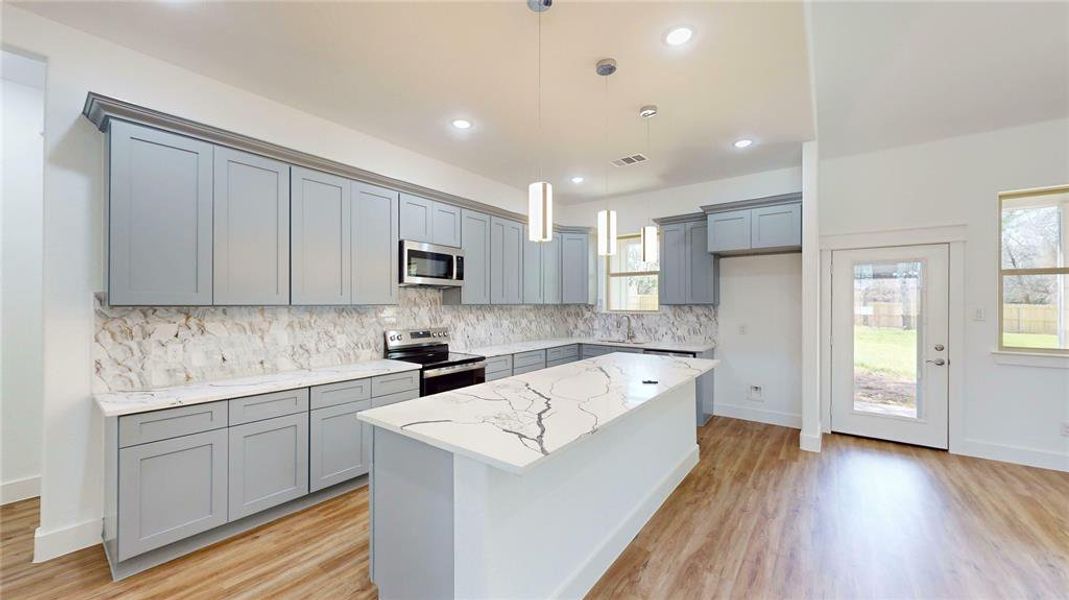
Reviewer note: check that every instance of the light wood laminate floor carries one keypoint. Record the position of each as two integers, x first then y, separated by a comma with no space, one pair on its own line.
757,518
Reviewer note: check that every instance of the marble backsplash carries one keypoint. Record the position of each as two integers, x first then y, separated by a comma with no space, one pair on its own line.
147,347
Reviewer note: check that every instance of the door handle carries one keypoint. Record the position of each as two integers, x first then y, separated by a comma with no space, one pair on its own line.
937,362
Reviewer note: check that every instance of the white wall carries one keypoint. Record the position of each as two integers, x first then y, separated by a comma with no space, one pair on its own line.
1009,412
760,339
22,103
73,227
635,210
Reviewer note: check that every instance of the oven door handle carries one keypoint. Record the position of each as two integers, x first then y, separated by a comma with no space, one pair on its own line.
431,373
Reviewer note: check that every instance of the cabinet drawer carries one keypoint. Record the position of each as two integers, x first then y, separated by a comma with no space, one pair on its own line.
170,423
526,359
570,351
561,361
333,394
378,401
528,368
498,375
589,350
498,364
384,385
268,406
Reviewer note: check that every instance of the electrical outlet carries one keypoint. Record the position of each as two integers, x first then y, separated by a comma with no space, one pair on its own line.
978,313
742,330
756,393
1065,429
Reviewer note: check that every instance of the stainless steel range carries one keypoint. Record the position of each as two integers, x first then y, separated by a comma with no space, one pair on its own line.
442,370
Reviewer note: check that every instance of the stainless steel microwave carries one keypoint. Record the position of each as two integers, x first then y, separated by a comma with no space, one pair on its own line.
428,264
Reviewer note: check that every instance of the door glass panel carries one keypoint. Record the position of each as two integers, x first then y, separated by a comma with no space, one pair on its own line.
887,313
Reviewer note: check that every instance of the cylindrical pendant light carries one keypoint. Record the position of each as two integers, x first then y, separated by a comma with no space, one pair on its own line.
606,233
649,243
540,211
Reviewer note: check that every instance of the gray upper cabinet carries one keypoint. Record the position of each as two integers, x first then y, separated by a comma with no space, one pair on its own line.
575,268
374,244
171,489
268,464
729,231
321,271
688,271
251,229
475,236
532,270
776,226
506,261
551,291
424,220
159,218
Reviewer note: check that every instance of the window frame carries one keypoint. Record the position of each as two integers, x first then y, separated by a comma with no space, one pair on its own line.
609,275
1002,273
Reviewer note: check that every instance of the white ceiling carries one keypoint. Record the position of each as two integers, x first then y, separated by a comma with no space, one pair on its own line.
889,74
403,71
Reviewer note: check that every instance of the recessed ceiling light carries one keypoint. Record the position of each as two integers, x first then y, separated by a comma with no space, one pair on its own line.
577,179
677,36
462,123
743,143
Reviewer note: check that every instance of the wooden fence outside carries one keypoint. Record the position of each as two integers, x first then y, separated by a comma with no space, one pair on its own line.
1016,318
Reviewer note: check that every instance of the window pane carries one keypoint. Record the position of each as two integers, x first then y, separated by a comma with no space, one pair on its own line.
887,298
628,258
1035,311
1034,231
637,292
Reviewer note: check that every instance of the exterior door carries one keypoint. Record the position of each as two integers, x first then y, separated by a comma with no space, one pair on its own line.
889,343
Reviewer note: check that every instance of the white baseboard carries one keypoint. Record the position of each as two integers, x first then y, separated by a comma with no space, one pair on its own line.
50,544
1012,454
809,443
20,489
761,415
584,578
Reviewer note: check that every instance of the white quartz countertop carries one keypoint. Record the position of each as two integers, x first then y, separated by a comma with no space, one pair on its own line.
516,422
124,403
514,347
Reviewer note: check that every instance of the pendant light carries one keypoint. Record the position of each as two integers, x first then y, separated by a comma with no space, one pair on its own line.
648,235
540,193
606,217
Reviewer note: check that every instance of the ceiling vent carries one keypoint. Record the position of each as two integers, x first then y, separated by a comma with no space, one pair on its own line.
627,161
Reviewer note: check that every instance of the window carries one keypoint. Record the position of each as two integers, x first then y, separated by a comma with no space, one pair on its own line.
632,283
1034,270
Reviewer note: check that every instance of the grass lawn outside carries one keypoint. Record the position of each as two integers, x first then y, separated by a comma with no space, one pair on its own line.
886,351
1030,340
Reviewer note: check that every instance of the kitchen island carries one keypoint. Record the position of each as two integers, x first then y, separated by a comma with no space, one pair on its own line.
529,486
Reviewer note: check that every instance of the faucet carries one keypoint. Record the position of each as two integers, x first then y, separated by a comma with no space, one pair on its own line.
630,331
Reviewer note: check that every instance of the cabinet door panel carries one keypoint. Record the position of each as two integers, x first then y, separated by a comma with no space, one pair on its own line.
532,270
445,225
416,218
672,287
159,218
252,229
729,231
776,226
268,464
340,444
506,261
374,246
171,490
701,272
476,244
575,273
321,271
551,285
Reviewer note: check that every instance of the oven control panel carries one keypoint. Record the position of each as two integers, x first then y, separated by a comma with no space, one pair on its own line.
404,338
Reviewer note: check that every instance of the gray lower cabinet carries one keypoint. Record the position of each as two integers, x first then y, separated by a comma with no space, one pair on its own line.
159,217
429,221
551,271
506,261
170,490
251,237
320,235
268,464
339,444
475,235
374,230
575,268
532,270
688,270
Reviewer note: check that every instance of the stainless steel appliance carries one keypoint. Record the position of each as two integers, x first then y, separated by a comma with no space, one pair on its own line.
441,370
429,264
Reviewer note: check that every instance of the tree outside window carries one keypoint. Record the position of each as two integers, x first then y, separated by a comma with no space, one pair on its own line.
631,283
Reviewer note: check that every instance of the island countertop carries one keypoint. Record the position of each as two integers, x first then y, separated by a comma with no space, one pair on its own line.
516,422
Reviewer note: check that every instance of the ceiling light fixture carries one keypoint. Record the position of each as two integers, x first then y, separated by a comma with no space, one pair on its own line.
577,180
462,123
540,193
606,218
677,36
743,143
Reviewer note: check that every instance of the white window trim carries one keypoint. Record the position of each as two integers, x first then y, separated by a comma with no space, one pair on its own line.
609,275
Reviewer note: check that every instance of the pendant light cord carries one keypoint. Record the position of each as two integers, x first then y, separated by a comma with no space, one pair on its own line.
540,140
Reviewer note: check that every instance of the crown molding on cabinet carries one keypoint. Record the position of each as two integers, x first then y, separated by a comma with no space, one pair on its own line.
99,109
753,203
687,218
